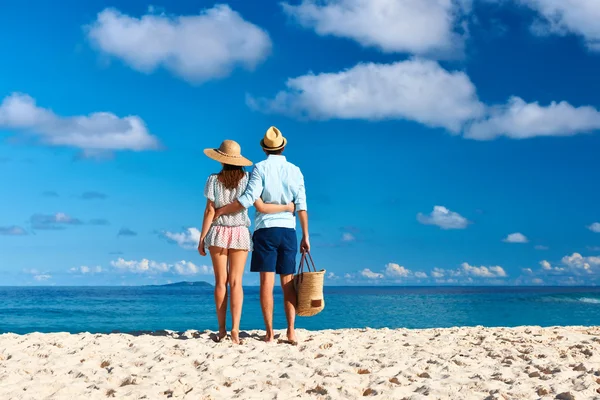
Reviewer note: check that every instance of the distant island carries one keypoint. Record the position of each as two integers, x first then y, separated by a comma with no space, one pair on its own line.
178,284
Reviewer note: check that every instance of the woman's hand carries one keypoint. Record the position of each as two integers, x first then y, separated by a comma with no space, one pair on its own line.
291,207
202,247
217,214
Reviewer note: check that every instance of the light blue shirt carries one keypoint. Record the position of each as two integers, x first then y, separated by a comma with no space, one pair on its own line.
275,181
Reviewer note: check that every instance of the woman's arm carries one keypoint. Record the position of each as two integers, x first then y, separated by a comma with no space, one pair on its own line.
266,208
209,213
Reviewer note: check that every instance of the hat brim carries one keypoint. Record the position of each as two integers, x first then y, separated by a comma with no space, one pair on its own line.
262,144
239,161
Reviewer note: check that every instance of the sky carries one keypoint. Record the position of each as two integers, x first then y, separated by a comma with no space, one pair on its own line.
443,142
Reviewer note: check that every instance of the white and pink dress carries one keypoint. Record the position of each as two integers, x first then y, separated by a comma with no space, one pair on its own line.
228,231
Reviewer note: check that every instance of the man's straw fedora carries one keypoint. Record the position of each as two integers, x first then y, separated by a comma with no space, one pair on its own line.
230,153
273,140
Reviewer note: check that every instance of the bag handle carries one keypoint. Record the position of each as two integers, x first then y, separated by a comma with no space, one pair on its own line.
304,260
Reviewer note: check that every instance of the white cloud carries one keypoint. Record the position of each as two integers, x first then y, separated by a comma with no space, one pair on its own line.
194,47
528,271
396,271
413,26
516,237
520,120
444,218
42,277
84,269
595,227
348,237
545,265
446,281
577,262
367,273
142,266
416,89
189,268
422,91
537,281
438,273
153,267
331,275
94,133
561,17
187,239
483,271
541,247
12,231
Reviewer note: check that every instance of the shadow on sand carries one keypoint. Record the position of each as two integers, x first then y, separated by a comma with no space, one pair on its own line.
187,335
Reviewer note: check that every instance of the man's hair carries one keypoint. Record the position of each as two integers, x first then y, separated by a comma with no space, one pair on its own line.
274,152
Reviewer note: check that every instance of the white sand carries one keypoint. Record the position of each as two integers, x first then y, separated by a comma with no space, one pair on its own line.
457,363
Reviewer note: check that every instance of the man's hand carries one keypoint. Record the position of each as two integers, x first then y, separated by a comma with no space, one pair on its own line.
202,247
305,244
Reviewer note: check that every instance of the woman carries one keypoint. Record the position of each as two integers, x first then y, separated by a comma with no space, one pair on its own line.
228,237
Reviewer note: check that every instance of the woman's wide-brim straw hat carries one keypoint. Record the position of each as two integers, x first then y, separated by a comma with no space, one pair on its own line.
230,153
273,140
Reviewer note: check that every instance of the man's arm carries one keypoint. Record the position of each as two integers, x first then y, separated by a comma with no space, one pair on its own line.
252,192
305,242
230,208
301,209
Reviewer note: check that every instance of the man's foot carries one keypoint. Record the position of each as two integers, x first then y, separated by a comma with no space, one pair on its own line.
235,336
291,335
291,338
270,336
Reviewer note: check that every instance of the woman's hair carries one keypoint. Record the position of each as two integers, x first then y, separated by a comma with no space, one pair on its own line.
231,175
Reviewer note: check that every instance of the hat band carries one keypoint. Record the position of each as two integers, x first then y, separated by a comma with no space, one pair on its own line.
227,155
272,147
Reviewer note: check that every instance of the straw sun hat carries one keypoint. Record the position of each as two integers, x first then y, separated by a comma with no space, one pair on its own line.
273,140
230,153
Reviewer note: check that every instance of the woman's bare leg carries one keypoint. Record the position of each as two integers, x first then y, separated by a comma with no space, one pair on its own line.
237,262
219,260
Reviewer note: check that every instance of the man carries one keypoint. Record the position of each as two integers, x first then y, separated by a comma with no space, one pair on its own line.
275,181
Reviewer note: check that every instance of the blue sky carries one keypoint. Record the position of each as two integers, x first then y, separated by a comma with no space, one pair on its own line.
442,142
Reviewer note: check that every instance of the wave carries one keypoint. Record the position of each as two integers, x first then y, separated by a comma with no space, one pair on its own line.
590,300
569,299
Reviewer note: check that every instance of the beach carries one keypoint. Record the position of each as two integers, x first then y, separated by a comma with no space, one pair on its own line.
450,363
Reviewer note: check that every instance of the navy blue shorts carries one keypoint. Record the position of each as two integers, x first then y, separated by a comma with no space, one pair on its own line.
274,250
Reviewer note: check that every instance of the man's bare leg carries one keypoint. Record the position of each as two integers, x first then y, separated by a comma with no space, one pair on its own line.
267,281
289,303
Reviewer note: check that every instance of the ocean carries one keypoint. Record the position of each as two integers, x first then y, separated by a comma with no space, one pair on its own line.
127,309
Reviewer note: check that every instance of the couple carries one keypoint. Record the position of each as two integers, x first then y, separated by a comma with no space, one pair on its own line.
276,189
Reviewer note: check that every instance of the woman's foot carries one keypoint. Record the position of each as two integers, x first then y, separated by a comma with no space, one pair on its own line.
222,334
269,336
235,336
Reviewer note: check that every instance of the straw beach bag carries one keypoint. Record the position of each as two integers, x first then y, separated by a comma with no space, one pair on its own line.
309,288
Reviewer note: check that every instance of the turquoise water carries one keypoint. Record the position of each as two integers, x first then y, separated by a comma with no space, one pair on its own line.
126,309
